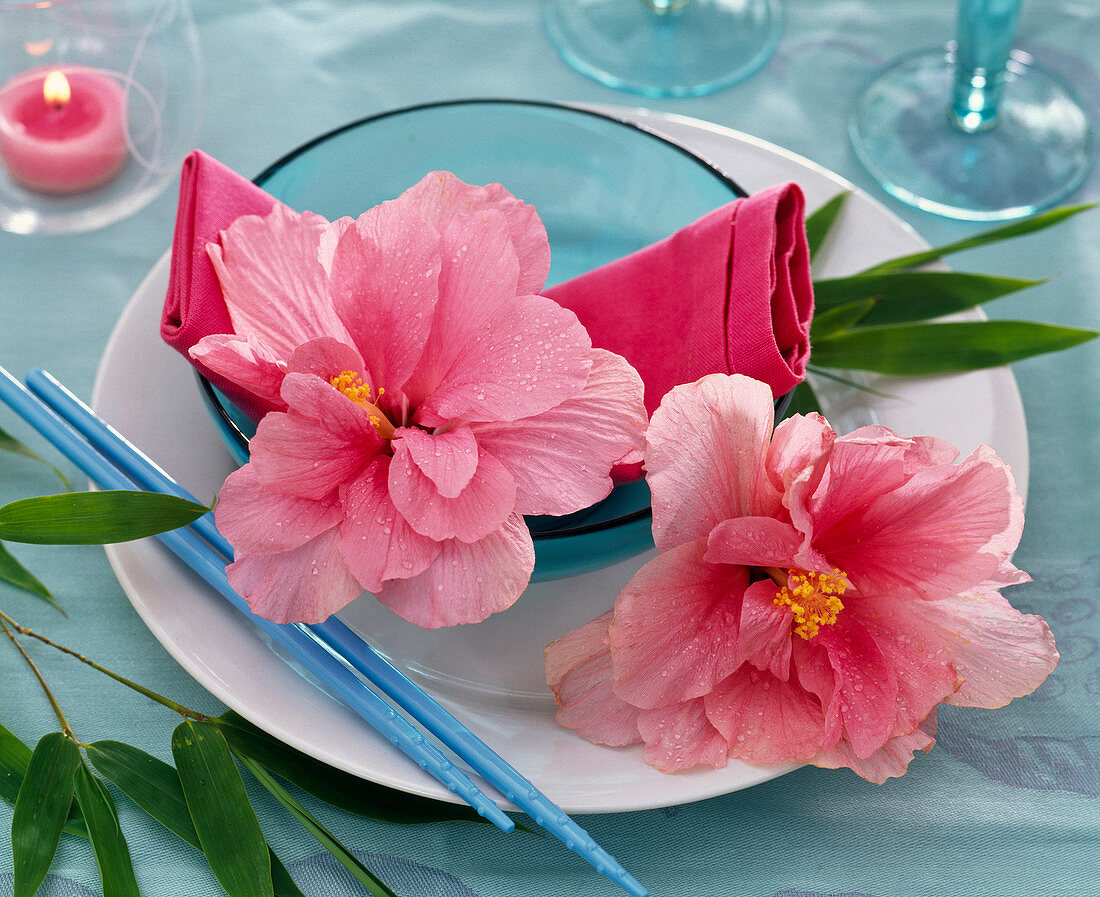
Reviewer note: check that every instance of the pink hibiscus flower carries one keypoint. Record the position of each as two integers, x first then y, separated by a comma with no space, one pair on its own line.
816,596
426,399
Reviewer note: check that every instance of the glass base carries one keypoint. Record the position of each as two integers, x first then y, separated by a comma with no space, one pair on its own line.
1036,153
664,48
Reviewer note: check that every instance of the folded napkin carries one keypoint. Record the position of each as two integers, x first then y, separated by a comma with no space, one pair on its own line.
729,293
211,197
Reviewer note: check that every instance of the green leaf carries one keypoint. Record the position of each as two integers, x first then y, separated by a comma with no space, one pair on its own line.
9,443
112,856
902,296
228,829
1005,232
804,400
919,349
149,782
285,886
94,518
14,573
14,757
324,837
41,808
155,787
334,787
840,318
820,222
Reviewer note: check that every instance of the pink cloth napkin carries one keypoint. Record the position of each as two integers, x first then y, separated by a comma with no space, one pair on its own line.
212,196
729,293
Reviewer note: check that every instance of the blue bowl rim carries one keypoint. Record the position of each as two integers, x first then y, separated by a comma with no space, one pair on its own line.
214,400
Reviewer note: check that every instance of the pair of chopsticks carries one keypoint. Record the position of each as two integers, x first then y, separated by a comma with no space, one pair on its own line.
330,651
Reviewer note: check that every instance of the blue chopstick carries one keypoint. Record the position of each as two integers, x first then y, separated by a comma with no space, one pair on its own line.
300,644
338,639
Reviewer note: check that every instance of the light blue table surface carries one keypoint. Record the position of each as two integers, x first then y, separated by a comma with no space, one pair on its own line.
1007,805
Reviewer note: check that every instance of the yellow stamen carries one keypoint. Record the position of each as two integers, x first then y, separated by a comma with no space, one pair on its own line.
814,599
352,385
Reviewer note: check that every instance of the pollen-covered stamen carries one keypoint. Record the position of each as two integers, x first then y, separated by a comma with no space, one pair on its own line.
814,599
352,385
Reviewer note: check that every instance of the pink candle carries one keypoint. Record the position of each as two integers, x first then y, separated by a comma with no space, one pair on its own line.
62,130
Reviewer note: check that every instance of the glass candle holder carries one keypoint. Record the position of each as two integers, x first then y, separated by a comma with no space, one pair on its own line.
100,100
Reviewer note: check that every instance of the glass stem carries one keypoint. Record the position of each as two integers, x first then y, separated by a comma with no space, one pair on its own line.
986,29
666,7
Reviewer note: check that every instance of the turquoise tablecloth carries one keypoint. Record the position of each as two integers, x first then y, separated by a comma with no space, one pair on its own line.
1008,804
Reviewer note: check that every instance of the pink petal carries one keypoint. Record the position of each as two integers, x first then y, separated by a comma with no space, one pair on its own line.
246,361
944,531
764,719
674,634
439,196
325,357
385,273
467,582
561,460
920,661
764,630
304,585
448,459
480,508
680,737
999,653
375,541
706,447
578,671
311,457
257,521
274,283
532,356
754,542
889,761
797,459
861,705
478,277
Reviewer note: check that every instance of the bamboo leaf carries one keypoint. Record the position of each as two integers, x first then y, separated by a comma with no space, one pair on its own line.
155,787
14,757
149,782
324,837
333,786
41,808
94,518
9,443
938,348
224,820
804,400
840,318
1005,232
285,886
14,573
112,856
902,296
820,222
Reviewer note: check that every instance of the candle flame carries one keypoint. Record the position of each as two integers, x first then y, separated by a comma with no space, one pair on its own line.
55,89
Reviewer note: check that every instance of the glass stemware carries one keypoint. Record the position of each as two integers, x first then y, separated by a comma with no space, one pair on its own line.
664,48
977,131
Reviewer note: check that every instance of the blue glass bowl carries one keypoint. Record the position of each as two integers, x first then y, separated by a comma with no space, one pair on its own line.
603,188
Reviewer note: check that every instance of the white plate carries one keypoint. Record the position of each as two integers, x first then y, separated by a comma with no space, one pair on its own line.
490,675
